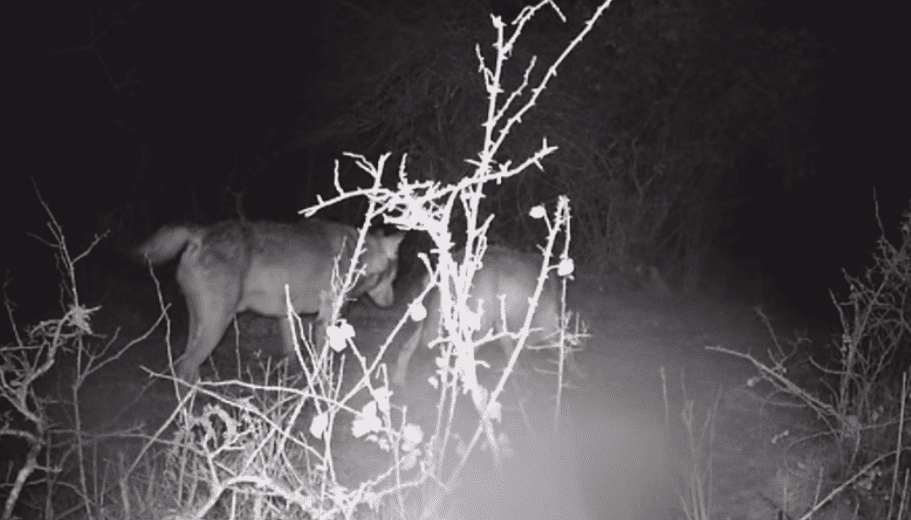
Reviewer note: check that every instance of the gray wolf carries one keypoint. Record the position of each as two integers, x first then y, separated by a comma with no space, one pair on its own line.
506,272
235,266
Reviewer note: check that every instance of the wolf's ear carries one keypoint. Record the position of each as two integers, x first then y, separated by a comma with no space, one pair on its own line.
391,244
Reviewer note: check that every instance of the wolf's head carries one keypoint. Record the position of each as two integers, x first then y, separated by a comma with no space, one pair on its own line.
380,266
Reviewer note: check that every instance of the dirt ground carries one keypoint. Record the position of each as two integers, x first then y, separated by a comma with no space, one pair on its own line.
624,452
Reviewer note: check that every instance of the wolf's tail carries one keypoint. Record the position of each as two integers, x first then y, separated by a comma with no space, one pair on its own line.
166,244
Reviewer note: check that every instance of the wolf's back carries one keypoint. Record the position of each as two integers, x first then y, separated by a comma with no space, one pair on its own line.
167,243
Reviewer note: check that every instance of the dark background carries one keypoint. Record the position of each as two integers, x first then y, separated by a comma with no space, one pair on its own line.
137,115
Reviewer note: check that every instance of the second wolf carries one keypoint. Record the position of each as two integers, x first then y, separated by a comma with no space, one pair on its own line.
504,272
236,266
